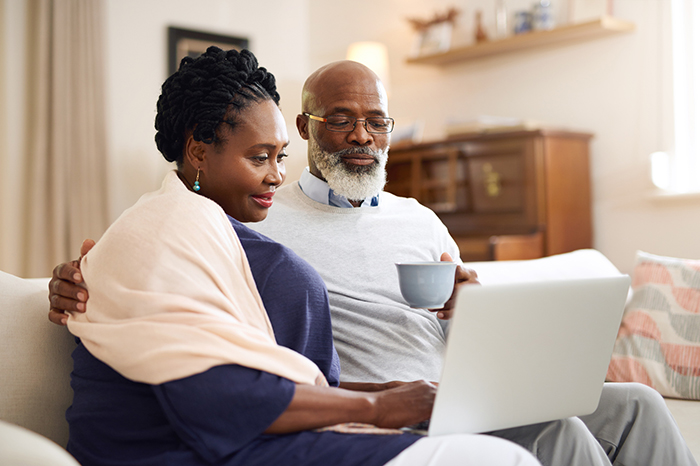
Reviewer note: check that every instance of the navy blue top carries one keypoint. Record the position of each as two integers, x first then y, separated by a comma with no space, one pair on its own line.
219,416
294,310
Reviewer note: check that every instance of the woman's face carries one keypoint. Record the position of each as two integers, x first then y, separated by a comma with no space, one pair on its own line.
242,173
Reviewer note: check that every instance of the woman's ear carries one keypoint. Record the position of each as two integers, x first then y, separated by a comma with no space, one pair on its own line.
195,152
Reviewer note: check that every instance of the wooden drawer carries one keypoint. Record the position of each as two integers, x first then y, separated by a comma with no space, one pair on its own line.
474,248
501,247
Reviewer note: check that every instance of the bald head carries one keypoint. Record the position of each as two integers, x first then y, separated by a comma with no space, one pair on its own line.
341,81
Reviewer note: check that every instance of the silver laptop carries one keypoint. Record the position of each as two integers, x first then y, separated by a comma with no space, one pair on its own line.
525,353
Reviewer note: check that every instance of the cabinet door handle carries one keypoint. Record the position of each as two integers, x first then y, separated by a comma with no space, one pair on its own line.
492,180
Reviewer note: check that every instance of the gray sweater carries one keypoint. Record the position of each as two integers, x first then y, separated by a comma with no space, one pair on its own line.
378,337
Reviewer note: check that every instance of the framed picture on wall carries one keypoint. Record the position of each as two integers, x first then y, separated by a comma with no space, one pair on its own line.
189,43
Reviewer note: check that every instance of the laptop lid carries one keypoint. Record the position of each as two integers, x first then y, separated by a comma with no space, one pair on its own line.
523,353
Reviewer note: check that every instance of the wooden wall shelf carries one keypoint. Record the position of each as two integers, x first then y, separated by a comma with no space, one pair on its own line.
602,27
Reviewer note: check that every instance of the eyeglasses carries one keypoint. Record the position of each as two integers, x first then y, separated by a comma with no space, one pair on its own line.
346,124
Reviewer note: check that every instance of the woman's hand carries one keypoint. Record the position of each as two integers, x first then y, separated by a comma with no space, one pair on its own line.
65,290
405,405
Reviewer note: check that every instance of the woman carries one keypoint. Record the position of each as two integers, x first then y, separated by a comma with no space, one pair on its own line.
178,363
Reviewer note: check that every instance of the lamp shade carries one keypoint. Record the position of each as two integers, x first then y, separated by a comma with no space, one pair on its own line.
373,55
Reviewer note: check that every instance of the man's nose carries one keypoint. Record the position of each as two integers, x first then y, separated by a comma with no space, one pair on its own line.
359,134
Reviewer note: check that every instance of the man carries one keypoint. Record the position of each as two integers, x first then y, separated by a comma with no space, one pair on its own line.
354,249
338,219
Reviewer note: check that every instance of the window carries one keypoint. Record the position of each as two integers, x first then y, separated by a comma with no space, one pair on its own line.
681,171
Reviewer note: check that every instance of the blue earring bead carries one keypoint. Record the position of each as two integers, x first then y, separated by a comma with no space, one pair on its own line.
196,186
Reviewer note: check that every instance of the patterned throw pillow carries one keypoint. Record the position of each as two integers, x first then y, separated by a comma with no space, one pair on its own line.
658,343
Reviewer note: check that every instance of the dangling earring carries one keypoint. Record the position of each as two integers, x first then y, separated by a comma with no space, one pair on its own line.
196,186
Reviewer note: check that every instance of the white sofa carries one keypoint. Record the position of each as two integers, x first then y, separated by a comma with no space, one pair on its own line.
34,376
35,369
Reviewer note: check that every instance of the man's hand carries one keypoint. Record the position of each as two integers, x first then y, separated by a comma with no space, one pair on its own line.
65,292
463,276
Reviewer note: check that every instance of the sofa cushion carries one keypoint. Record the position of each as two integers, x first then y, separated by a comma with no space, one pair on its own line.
36,360
658,343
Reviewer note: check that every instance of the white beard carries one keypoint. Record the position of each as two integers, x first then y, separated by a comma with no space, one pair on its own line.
355,182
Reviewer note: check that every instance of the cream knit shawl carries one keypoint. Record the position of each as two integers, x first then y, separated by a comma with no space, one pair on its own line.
172,295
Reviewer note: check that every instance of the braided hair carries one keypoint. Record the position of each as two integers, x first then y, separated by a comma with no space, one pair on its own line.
206,91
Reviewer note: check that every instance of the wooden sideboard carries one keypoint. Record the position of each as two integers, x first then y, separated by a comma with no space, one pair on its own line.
514,195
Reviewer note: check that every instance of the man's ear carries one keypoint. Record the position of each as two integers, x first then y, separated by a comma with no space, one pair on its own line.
303,127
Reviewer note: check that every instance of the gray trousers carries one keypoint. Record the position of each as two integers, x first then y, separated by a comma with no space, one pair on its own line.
631,427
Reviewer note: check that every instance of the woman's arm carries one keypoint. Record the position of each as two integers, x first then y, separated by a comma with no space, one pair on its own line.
370,387
219,411
313,407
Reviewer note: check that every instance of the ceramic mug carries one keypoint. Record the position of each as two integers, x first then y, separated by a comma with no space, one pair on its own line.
426,285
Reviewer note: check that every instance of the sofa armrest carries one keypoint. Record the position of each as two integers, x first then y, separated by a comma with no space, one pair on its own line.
36,364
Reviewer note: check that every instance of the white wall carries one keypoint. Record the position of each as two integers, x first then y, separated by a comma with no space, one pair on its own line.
136,50
608,86
617,88
137,66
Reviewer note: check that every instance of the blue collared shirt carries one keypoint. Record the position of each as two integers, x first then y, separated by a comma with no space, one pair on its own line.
319,191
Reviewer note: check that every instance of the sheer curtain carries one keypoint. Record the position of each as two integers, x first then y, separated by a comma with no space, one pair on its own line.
685,173
66,146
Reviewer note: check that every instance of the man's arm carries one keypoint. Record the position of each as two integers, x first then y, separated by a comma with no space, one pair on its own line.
65,290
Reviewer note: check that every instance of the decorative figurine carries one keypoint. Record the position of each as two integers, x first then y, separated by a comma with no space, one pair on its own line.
479,34
434,35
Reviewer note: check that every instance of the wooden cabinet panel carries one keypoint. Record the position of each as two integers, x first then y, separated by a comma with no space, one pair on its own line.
569,194
531,185
498,183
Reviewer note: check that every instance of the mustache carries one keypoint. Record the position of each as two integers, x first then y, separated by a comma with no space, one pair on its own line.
359,150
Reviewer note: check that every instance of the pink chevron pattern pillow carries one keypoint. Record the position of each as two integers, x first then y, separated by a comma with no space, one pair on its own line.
658,343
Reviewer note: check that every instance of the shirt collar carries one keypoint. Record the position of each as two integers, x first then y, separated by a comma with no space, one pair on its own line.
319,191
